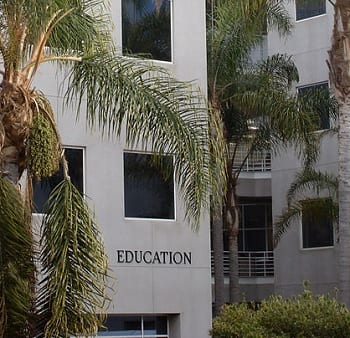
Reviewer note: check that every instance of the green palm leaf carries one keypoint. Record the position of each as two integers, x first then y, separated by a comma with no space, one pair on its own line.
324,189
16,263
144,107
74,265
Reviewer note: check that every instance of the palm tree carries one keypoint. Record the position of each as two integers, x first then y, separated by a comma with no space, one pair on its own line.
117,94
253,100
339,64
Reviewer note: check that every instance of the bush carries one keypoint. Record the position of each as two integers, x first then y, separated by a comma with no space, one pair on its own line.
237,321
304,316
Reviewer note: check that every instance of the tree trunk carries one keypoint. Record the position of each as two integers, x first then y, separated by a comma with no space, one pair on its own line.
339,64
218,255
15,119
232,224
344,203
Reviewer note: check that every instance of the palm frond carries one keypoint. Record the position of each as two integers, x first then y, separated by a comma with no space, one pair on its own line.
283,222
320,104
323,187
277,17
320,207
235,27
156,111
16,263
279,70
313,181
74,266
25,38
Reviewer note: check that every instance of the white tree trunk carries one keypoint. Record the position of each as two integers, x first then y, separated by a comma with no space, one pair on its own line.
344,202
339,64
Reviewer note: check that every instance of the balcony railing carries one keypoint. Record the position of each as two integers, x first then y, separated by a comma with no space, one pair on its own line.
251,263
258,162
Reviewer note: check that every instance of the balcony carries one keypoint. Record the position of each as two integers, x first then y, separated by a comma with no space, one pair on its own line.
257,162
251,263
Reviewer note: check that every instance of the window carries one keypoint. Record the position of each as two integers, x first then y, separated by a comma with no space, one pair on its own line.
317,225
43,188
135,326
309,8
148,186
146,27
255,229
317,98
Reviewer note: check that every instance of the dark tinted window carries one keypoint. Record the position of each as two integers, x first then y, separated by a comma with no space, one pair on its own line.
135,326
43,188
255,227
317,227
148,187
317,98
146,27
309,8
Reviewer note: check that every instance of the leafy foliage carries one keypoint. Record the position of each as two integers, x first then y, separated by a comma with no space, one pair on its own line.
310,185
16,263
237,321
145,107
74,265
304,316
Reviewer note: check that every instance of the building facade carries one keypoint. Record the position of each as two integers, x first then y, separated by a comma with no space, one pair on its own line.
307,252
300,256
160,267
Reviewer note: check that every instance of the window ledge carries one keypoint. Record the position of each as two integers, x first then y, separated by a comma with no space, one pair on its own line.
310,18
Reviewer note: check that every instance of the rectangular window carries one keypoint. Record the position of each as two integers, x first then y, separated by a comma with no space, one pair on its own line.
317,225
148,186
309,8
135,326
43,188
255,228
317,98
146,28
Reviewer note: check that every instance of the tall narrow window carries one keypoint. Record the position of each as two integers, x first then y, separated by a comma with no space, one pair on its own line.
146,28
255,227
317,225
309,8
43,188
148,186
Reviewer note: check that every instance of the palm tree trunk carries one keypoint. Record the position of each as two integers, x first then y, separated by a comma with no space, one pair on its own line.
232,224
339,64
15,119
218,255
344,202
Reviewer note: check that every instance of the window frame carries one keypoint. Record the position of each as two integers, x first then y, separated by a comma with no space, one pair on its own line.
312,248
133,218
243,230
142,335
172,36
309,17
83,167
315,85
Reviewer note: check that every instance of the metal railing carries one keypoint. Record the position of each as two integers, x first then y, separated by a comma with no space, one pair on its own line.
259,161
251,263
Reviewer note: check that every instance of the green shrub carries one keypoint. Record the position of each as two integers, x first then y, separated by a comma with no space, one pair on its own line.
237,321
304,316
